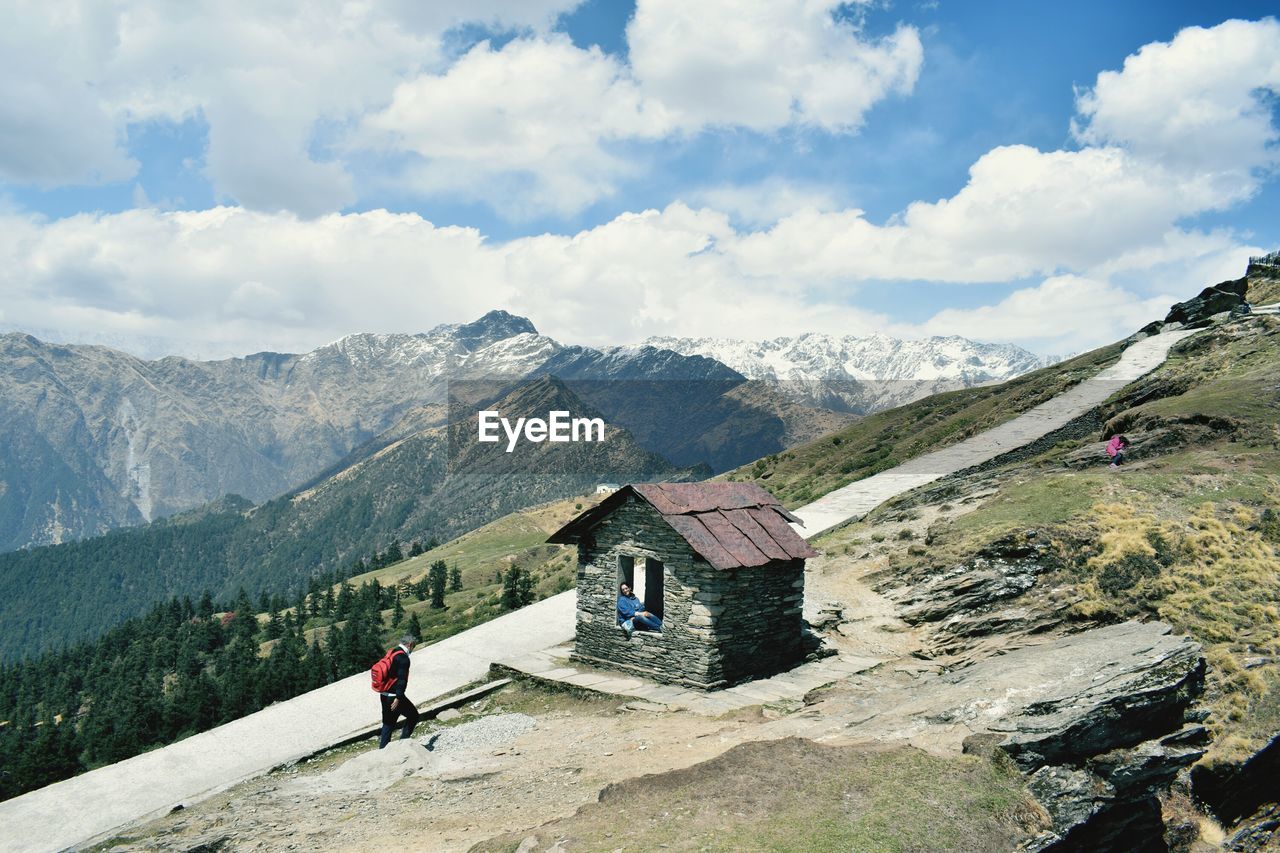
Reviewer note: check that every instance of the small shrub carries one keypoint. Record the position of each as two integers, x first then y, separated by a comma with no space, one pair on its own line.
1269,525
877,537
905,533
1119,576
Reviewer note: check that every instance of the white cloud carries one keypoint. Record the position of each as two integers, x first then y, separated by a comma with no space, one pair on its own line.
766,64
54,127
1195,105
1026,212
765,203
1103,226
75,74
1023,212
248,281
1063,314
254,281
529,124
536,107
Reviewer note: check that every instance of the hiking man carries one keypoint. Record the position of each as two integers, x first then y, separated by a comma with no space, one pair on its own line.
1116,448
631,612
394,703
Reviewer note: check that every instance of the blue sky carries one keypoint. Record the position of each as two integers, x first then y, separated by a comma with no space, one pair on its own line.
221,179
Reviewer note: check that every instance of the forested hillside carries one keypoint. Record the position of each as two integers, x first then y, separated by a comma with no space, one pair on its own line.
411,490
189,665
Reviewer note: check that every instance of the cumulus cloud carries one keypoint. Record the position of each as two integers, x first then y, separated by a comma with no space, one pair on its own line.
1065,314
531,123
767,202
255,280
1099,233
1183,129
76,74
543,111
251,281
1197,104
54,127
538,107
765,64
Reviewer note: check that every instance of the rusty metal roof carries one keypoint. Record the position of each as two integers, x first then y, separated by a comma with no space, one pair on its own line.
731,525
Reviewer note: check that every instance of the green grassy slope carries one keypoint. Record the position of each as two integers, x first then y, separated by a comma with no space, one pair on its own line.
883,440
482,556
1188,533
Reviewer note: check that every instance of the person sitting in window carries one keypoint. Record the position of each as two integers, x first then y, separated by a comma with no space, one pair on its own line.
631,613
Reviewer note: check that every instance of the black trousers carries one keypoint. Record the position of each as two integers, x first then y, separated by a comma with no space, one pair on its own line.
405,709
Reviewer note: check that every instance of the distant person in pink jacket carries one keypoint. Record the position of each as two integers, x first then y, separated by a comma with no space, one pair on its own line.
1116,448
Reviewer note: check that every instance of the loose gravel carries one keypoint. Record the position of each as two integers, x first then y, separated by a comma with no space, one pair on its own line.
486,733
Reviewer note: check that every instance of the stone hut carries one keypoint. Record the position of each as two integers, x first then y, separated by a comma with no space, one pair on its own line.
717,562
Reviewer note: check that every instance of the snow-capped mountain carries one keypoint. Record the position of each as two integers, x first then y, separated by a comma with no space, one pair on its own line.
92,438
862,374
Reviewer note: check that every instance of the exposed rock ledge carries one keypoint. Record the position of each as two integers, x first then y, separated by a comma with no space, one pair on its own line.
1099,720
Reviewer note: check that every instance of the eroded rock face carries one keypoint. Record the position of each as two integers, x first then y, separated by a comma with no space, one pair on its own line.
1258,832
1236,789
1198,310
1108,700
1098,720
976,599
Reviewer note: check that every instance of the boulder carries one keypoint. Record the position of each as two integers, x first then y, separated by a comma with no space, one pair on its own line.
1138,688
1112,803
1199,310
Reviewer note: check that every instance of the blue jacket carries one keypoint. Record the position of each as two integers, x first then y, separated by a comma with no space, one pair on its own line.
628,606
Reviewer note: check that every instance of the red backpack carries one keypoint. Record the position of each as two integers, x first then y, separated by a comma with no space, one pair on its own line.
380,672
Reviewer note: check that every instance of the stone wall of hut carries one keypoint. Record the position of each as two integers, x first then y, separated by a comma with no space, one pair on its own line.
719,627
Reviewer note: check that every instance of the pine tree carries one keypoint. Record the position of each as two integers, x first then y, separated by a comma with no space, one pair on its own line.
415,627
416,549
397,613
317,668
438,576
511,589
524,589
342,609
455,578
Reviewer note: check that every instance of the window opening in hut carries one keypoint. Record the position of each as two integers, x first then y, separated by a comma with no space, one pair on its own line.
626,572
651,592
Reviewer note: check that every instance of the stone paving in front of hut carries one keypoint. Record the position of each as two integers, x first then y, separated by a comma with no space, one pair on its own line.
554,668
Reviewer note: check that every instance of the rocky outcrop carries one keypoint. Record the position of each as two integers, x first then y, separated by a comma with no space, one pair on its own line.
1099,757
975,599
1257,833
1100,721
1199,310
